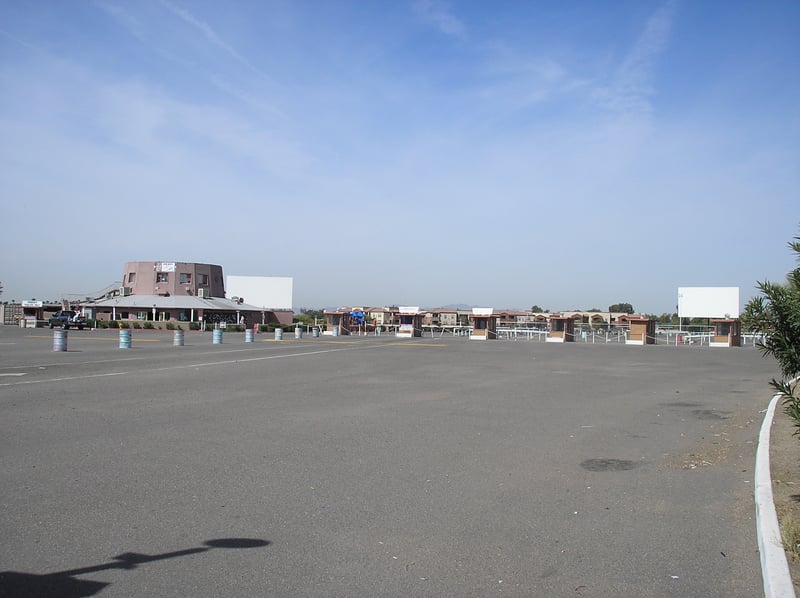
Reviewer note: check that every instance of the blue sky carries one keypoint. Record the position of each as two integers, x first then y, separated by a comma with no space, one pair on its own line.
565,154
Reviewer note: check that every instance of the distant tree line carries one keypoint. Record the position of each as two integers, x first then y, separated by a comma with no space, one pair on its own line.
625,308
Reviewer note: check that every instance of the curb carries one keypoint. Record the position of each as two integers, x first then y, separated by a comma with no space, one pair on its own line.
774,568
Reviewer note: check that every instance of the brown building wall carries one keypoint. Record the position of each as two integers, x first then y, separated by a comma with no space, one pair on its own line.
173,278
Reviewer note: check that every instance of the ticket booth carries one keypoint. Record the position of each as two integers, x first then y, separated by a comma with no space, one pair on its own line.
727,333
642,331
336,323
562,330
410,322
32,313
483,323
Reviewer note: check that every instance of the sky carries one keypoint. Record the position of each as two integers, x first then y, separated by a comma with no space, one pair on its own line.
566,154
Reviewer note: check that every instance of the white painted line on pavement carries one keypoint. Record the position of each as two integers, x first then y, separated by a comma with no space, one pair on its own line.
177,367
199,365
14,374
774,568
64,379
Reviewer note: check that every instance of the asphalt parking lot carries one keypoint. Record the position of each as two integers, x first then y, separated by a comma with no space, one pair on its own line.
376,466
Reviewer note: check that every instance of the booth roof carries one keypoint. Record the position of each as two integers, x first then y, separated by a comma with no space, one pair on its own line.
176,302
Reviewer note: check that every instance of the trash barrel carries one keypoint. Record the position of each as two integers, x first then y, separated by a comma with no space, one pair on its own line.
315,332
177,339
248,335
278,334
59,340
124,339
298,332
216,338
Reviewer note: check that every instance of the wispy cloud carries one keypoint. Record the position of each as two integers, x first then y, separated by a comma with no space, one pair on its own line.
517,79
440,15
208,32
123,17
19,41
632,83
148,34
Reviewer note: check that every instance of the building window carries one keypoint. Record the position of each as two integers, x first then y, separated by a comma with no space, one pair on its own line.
202,279
141,315
131,277
185,278
162,277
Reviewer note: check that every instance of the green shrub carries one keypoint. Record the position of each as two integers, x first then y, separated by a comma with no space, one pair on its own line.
194,325
170,326
776,313
101,324
147,325
124,324
113,324
136,325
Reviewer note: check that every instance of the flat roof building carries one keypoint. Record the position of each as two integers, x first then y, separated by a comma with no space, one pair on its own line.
182,292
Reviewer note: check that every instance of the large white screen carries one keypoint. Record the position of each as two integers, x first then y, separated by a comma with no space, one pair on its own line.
270,292
708,302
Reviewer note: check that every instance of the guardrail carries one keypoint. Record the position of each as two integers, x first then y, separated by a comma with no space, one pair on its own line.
520,333
457,330
619,335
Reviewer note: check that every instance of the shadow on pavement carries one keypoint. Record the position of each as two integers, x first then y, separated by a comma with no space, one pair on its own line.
63,584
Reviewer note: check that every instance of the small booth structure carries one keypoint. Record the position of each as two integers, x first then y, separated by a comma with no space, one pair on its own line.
642,331
484,324
36,312
32,313
562,329
727,333
337,322
410,322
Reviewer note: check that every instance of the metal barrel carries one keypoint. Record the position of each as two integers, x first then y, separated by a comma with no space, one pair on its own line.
298,332
216,338
59,340
278,334
335,331
315,332
124,339
177,339
248,335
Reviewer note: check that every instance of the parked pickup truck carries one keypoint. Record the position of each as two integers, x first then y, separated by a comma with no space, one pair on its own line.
67,319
